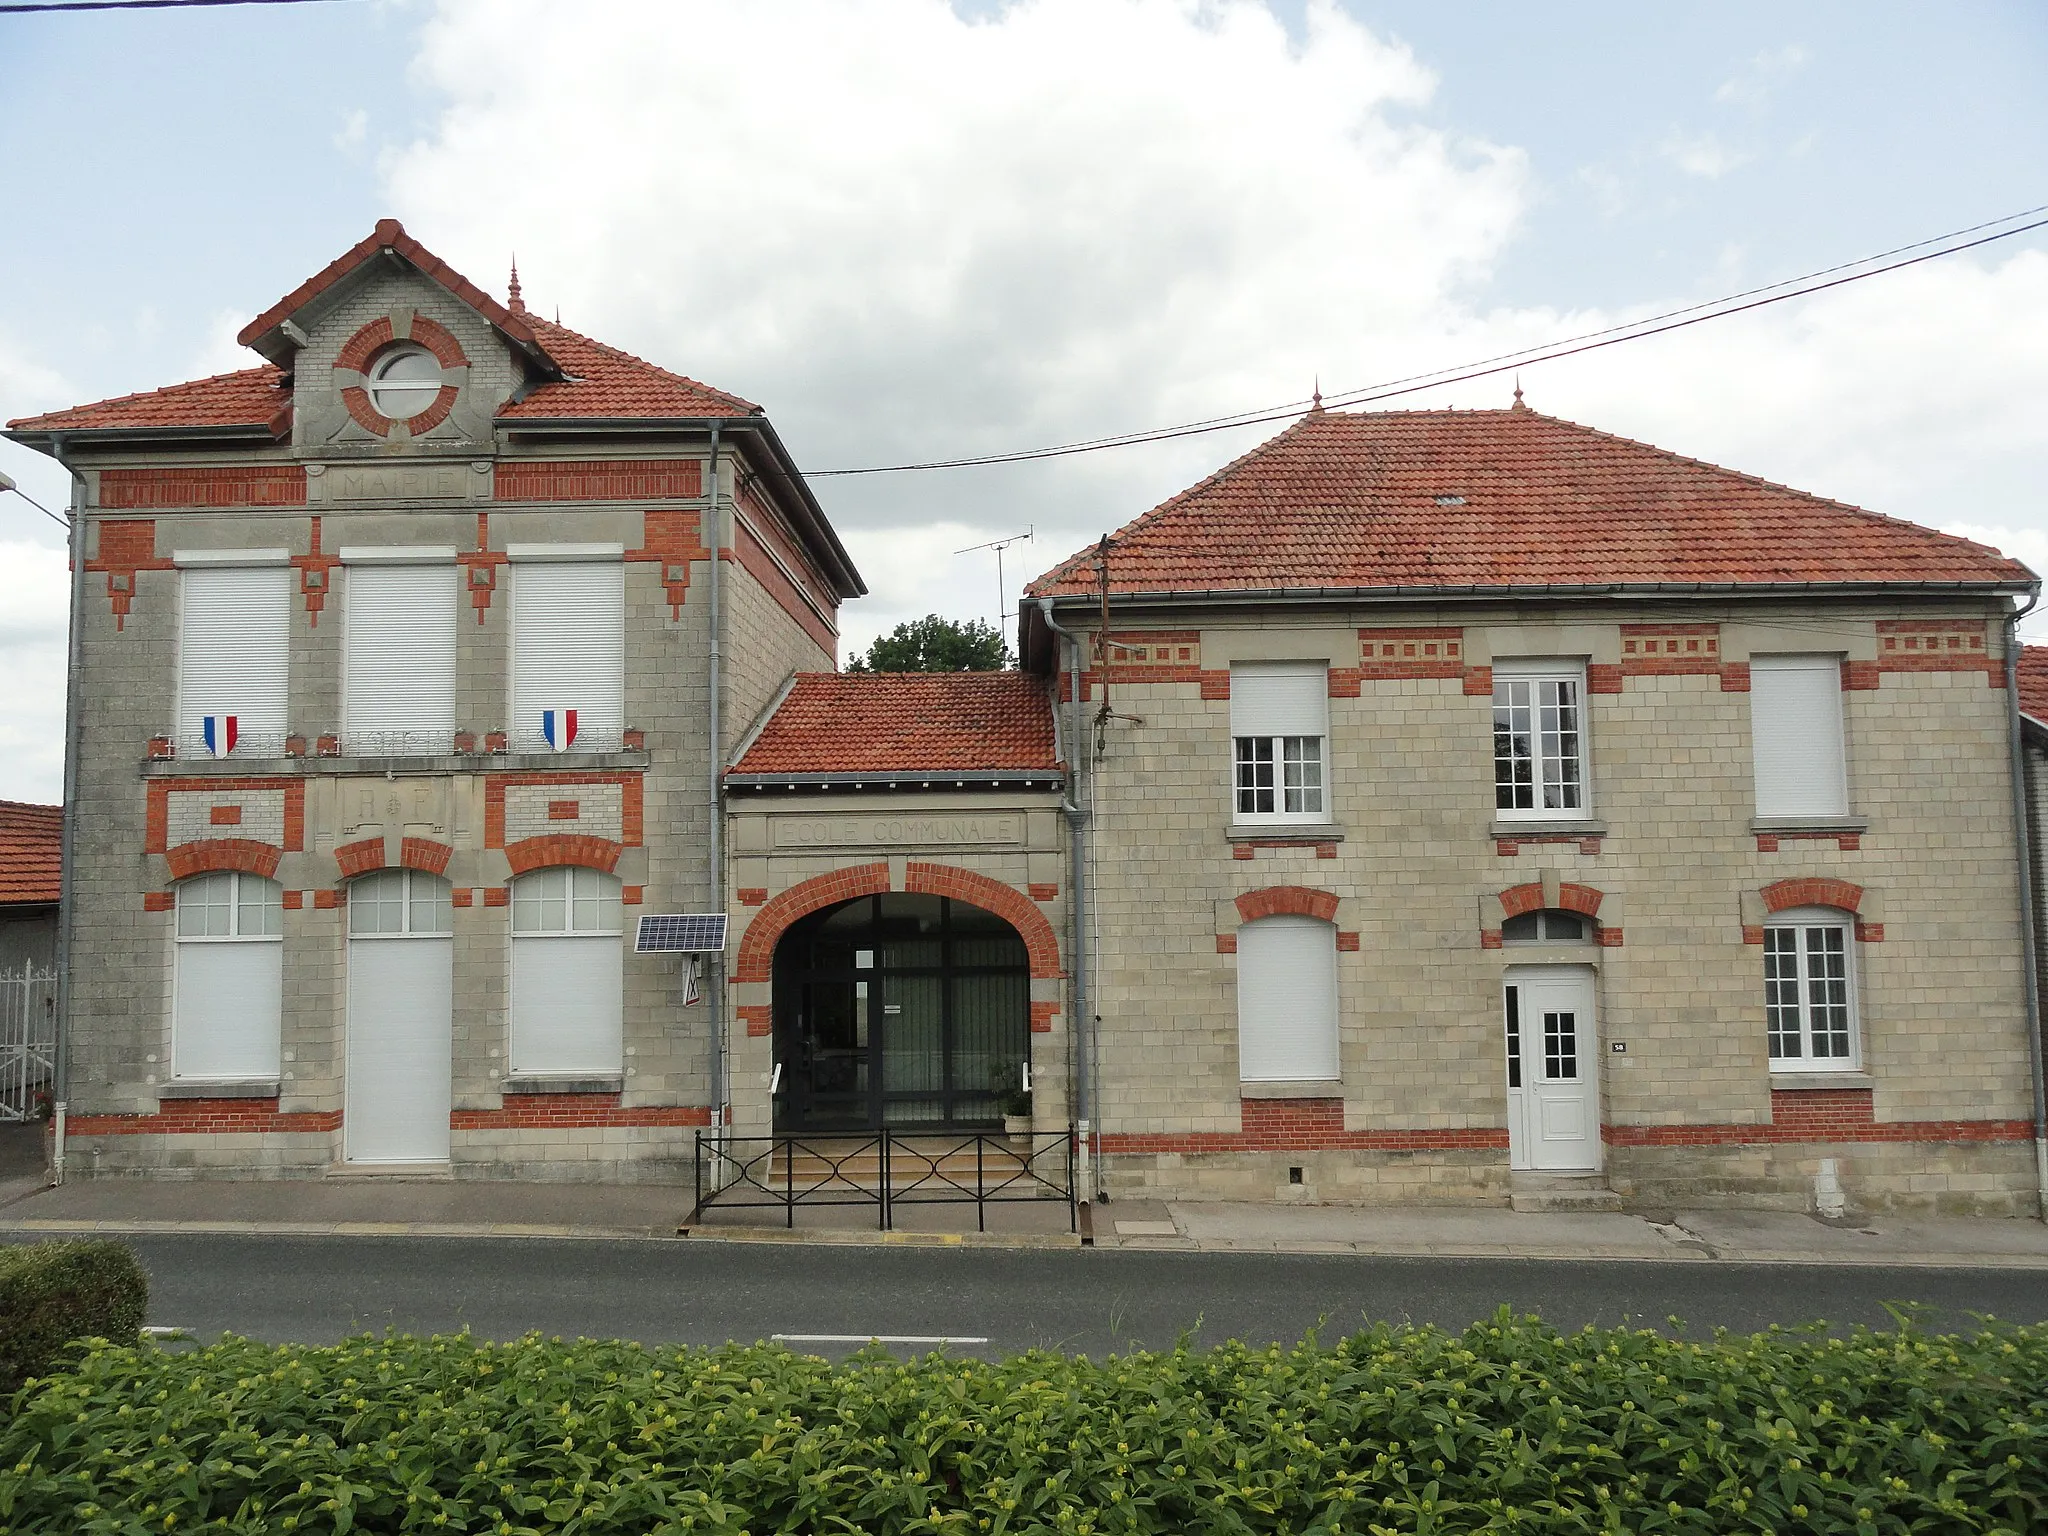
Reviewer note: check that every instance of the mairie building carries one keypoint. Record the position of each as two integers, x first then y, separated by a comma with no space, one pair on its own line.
1461,807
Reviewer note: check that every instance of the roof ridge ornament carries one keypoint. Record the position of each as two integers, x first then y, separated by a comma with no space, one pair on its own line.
1315,407
513,300
1518,406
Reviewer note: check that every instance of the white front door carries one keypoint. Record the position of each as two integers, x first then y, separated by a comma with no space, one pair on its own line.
1553,1086
401,987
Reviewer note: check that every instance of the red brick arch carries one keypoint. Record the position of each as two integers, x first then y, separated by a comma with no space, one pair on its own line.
213,854
1781,894
1007,902
1583,899
1287,901
531,853
757,945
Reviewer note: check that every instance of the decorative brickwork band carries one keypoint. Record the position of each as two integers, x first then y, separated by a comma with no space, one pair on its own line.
672,540
566,1111
1007,902
756,959
212,854
423,853
1603,677
1399,653
1479,682
126,546
531,853
600,480
497,895
1287,901
480,569
759,1019
206,1117
162,901
753,895
1936,645
1668,650
362,857
632,798
1735,677
227,485
156,829
1839,1121
1043,892
1303,1125
1215,685
1583,899
1781,894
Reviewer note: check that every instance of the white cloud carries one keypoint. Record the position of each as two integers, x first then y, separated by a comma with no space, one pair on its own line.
354,130
1702,155
33,595
1762,75
218,350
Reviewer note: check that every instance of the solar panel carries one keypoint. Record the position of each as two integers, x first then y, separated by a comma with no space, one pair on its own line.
688,933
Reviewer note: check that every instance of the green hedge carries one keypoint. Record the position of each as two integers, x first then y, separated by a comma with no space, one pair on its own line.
52,1294
1508,1427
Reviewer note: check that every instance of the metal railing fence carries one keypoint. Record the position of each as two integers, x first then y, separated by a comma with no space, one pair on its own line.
28,1040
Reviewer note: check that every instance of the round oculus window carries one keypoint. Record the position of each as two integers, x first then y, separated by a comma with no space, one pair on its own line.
404,382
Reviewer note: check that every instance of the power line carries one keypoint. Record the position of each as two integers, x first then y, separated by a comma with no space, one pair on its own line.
19,7
1569,346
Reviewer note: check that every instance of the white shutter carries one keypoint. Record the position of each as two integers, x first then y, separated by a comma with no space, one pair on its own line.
233,640
1279,699
229,1007
1287,1001
566,1006
1795,716
399,664
400,1049
569,650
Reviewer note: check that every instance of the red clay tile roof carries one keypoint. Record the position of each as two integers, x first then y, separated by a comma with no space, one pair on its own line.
30,843
2033,671
254,397
908,722
603,381
1351,500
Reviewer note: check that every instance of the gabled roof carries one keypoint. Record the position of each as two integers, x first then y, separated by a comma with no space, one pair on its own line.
2033,678
602,381
927,724
31,843
1507,499
254,398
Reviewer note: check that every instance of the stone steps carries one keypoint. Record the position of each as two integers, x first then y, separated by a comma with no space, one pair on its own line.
1554,1193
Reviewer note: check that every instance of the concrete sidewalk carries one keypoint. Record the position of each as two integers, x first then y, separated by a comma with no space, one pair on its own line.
428,1207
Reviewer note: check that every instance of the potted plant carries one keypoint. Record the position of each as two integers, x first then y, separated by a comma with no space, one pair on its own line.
1011,1084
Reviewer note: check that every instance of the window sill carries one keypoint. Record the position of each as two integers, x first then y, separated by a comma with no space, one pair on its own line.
1285,831
1849,824
310,767
1539,826
1812,1082
531,1084
237,1088
1310,1088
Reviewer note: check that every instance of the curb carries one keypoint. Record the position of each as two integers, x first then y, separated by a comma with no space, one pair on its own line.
855,1238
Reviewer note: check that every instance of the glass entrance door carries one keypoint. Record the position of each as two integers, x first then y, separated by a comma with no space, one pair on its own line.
899,1011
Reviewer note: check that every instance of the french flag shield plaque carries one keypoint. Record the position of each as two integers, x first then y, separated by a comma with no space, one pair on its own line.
220,733
559,727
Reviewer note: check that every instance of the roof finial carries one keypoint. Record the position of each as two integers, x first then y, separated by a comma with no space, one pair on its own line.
1518,406
513,301
1316,399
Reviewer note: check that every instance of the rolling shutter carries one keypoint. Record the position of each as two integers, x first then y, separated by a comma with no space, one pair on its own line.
1795,714
399,1050
233,642
568,650
1287,1001
229,1006
1279,699
399,670
566,1005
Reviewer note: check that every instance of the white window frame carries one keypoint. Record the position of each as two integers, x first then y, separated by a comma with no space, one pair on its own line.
426,905
597,731
268,910
1529,685
1790,1006
259,738
386,392
1303,756
1823,792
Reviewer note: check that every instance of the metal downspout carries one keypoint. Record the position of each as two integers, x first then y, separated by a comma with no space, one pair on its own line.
67,905
1085,1092
2022,824
715,983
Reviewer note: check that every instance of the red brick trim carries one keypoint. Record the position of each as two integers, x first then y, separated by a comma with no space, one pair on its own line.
439,340
600,480
753,895
759,1019
1583,899
1735,677
1402,653
1287,900
294,900
226,485
531,853
163,901
362,857
1154,656
1215,685
462,896
1781,894
126,546
1302,1125
497,895
1346,940
1936,645
205,1117
1479,682
632,895
225,816
632,800
565,810
756,959
1226,943
1346,682
1248,848
1607,938
558,1111
1007,902
672,540
219,853
1603,677
156,826
1876,1131
1752,933
1509,847
1861,676
1043,892
435,414
423,853
1489,938
1668,650
356,352
356,400
327,900
1042,1015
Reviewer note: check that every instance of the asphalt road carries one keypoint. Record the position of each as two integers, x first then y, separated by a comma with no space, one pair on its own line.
319,1289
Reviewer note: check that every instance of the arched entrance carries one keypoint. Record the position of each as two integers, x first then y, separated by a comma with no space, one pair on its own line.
899,1011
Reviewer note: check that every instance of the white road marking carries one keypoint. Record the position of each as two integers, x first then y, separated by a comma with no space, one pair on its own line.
874,1338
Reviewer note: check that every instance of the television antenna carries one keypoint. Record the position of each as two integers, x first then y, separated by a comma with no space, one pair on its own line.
1003,614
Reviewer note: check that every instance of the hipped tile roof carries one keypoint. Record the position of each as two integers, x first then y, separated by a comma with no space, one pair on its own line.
253,397
1503,499
603,381
30,852
926,723
2033,670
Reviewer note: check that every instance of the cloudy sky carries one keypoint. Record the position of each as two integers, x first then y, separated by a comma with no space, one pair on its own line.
915,229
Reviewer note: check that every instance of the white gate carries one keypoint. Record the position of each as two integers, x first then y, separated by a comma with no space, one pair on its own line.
28,1040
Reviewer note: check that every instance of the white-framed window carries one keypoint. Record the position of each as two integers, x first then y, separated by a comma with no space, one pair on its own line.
568,650
398,656
400,903
228,999
404,382
1549,925
1279,728
234,638
1539,740
1287,1000
1810,990
1795,717
567,974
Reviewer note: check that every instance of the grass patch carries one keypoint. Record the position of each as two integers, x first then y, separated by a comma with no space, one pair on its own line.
1508,1426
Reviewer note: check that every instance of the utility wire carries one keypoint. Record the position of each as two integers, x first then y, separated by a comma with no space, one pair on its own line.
20,7
1570,346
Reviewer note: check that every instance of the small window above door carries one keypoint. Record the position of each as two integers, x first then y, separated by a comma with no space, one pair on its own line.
1548,926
